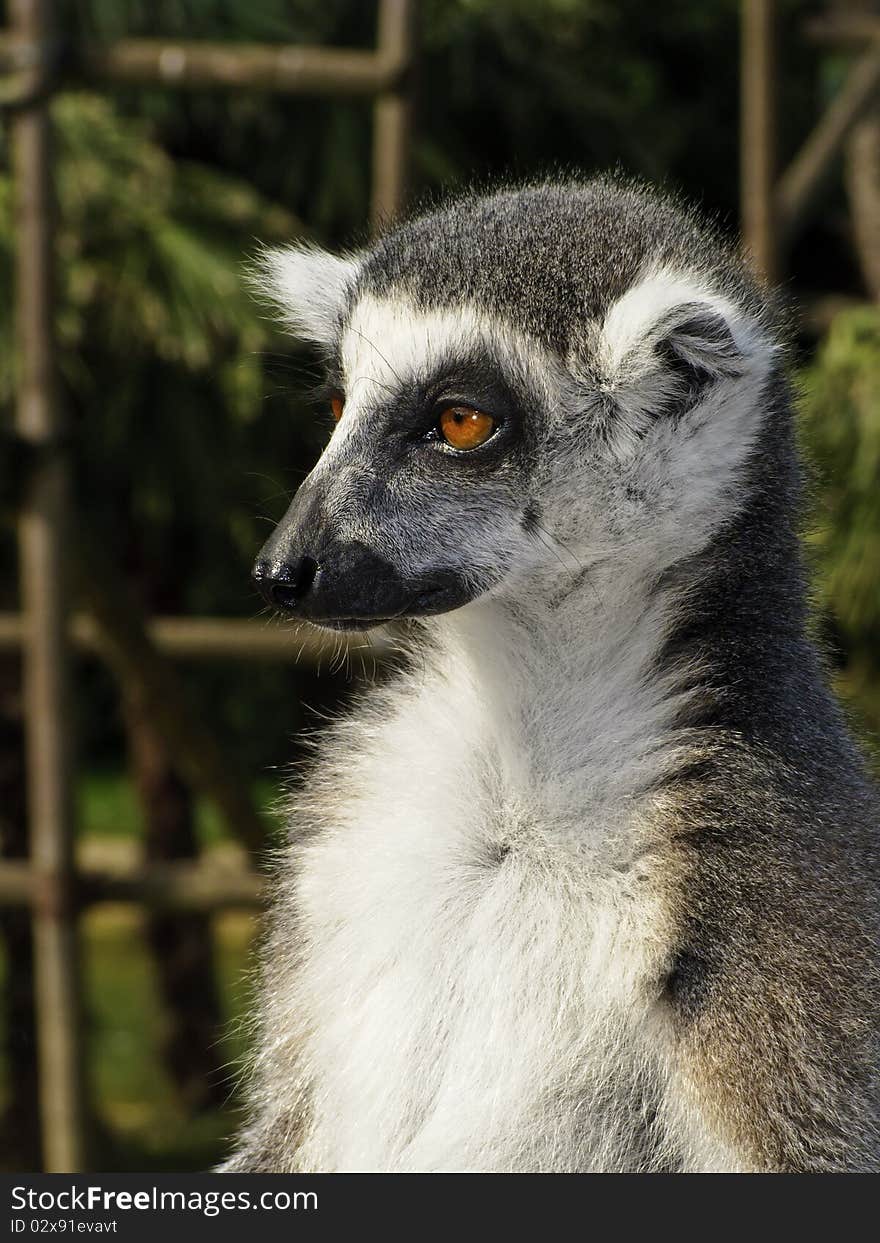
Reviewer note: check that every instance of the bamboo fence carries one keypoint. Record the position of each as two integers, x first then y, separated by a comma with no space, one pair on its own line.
34,66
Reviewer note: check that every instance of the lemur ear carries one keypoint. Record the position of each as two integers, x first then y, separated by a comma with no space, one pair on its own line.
668,318
695,347
695,337
661,347
308,286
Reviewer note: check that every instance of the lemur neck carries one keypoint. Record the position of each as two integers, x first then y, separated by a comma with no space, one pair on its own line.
619,669
563,687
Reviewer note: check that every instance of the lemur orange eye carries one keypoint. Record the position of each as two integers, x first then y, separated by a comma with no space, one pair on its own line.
337,405
462,427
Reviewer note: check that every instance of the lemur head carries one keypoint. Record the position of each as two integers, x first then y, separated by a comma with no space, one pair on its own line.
523,384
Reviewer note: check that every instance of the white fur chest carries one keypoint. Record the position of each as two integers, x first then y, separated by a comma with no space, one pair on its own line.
479,995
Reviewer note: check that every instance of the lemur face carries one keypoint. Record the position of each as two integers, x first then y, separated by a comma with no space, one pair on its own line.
421,500
475,455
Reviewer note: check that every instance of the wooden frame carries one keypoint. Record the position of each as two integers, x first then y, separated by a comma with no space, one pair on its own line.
774,208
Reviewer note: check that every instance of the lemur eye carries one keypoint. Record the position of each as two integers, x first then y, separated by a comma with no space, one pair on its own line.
337,405
462,427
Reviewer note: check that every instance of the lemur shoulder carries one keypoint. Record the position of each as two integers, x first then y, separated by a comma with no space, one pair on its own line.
592,882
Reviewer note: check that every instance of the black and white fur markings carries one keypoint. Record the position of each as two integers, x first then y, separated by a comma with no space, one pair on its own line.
593,884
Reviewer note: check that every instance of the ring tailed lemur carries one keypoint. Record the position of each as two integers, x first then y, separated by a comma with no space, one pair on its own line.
592,884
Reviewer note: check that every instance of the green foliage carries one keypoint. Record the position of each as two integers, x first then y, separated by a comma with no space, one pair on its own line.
163,354
108,810
309,152
840,406
161,345
150,252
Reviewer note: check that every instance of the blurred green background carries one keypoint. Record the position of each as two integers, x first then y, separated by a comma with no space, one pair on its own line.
193,425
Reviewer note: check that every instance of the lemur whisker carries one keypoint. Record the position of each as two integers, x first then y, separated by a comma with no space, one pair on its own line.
375,347
554,540
360,380
548,544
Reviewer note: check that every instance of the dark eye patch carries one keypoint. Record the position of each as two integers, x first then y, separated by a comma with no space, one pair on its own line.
332,385
404,418
476,382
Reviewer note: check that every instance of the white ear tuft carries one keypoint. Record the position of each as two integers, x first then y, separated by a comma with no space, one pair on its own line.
699,326
665,347
308,286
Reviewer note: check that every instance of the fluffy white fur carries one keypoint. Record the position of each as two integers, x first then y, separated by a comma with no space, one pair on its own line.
464,1010
307,286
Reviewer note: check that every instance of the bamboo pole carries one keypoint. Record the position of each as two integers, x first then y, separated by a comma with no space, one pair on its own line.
843,28
48,882
802,181
43,564
122,641
179,887
233,638
281,68
758,135
171,886
298,70
286,68
862,180
18,882
392,113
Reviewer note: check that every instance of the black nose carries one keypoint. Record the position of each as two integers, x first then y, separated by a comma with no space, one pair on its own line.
283,585
349,586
